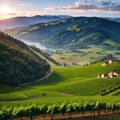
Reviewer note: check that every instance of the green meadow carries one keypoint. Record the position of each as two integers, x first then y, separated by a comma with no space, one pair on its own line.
86,55
65,84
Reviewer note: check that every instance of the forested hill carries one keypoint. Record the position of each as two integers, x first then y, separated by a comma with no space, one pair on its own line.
18,62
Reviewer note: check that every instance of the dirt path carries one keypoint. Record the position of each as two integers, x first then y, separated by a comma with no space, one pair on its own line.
41,79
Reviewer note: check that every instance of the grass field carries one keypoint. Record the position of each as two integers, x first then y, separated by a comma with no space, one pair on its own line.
65,84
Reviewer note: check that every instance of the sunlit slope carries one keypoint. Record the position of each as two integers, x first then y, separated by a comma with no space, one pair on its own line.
77,83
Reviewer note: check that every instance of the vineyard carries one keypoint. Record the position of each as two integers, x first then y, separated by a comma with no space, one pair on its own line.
65,108
78,86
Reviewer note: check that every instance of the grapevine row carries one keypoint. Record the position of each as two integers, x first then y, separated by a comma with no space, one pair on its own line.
34,110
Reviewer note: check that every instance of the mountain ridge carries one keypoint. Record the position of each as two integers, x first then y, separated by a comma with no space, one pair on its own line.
25,21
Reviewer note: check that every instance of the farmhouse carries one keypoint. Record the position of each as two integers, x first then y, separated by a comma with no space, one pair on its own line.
107,62
111,74
114,73
102,76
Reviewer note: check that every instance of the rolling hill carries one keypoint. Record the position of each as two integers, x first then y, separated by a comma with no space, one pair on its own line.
73,33
42,30
19,63
25,21
93,31
66,84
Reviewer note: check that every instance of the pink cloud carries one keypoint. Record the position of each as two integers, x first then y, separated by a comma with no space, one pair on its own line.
107,7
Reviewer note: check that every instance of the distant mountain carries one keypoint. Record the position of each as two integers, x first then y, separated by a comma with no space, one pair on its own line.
19,63
73,33
114,19
25,21
43,30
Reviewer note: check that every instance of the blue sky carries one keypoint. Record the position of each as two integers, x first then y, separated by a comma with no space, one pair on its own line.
100,8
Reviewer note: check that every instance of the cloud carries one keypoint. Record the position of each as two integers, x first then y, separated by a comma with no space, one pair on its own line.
109,6
91,5
106,3
23,5
81,6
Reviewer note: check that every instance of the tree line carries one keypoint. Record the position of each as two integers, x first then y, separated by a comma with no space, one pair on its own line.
43,110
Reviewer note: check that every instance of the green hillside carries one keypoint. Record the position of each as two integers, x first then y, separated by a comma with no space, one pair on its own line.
71,34
93,31
18,62
65,84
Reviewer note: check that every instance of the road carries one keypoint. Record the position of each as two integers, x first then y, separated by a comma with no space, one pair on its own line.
41,79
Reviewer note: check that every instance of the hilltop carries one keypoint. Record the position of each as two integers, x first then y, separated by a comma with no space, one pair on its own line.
19,63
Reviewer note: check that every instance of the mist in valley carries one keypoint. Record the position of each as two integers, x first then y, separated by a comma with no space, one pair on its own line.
35,44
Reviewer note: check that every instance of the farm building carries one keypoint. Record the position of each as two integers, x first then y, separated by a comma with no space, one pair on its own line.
102,76
107,62
114,73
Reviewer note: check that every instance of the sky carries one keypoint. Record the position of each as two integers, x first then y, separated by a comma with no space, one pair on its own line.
99,8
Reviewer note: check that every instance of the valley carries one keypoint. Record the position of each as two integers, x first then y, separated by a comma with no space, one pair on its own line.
60,63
